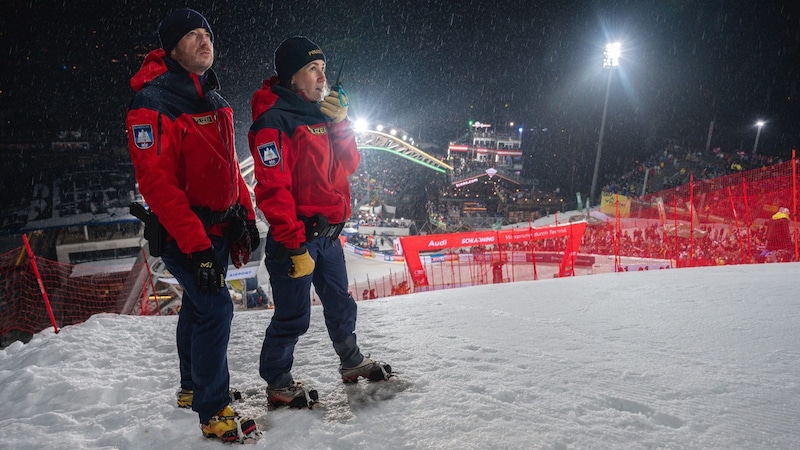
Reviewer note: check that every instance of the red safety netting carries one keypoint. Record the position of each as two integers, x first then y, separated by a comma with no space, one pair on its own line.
747,217
39,293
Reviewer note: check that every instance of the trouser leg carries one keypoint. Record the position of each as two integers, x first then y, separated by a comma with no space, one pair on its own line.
291,318
340,310
183,337
203,332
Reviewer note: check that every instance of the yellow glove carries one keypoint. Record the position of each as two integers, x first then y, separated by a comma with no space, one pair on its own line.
302,263
332,107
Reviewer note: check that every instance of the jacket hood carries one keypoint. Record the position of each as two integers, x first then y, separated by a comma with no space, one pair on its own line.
153,66
156,65
264,98
272,95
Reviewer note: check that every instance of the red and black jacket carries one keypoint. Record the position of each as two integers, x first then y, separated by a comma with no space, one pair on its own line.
302,162
181,143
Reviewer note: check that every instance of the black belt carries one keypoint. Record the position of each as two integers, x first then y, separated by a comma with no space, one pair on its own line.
318,227
330,231
210,218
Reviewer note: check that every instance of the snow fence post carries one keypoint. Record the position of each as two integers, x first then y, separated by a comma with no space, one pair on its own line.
39,279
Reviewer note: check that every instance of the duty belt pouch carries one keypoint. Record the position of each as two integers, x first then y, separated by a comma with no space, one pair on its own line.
314,226
318,226
235,216
154,232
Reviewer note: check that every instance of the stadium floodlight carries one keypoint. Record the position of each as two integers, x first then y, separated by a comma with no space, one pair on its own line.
360,125
759,124
612,54
610,61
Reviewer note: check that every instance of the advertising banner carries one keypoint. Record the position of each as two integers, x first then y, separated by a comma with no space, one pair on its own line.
412,246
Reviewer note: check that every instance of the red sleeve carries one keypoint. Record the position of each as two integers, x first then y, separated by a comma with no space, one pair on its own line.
274,158
156,163
344,144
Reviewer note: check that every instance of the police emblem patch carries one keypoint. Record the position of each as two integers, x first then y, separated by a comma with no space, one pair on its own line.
269,154
142,136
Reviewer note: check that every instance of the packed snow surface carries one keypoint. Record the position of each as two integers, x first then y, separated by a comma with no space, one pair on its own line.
686,358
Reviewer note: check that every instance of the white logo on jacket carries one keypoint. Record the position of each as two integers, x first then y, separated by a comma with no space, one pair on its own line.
269,154
142,136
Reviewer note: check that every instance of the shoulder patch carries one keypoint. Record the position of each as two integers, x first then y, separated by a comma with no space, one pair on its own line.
269,154
142,136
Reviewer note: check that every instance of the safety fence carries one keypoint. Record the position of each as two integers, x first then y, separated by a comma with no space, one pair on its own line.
38,293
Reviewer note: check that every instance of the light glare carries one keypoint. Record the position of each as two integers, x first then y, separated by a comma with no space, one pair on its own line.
360,125
612,54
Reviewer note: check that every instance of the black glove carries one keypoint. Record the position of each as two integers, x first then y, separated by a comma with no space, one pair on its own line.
244,240
208,272
255,238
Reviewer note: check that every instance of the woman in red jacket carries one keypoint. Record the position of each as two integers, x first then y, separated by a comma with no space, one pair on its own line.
304,151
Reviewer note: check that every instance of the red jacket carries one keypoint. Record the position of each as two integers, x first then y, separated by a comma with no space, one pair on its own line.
181,143
302,162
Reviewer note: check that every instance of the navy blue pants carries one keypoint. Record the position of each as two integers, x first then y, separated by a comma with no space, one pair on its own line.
204,328
292,314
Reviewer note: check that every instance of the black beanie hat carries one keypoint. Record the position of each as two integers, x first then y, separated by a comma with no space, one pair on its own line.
177,24
294,53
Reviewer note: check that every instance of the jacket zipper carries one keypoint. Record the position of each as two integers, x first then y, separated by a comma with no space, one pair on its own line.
228,154
280,148
158,146
330,168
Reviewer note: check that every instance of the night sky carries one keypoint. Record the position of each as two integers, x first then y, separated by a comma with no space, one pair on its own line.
431,66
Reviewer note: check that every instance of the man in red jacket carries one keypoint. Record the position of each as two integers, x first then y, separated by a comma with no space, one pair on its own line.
180,139
304,151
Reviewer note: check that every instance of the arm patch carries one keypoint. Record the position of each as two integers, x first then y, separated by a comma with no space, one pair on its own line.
269,154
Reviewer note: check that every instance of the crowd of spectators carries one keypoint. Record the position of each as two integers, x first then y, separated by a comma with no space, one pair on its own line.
719,245
386,179
675,166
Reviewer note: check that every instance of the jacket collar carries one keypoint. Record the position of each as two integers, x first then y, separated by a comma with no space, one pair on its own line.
161,70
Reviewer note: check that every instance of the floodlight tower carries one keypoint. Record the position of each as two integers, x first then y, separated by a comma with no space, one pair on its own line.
610,61
759,124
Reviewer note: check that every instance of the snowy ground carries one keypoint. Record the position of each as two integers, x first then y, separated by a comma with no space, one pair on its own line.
688,358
